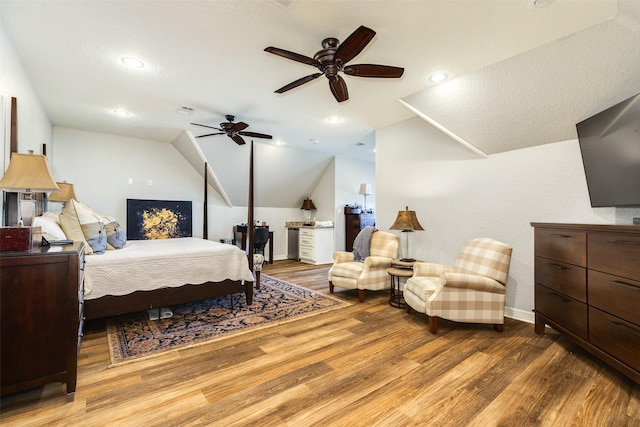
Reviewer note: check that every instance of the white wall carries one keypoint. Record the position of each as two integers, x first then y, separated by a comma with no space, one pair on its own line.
100,165
349,174
458,196
34,127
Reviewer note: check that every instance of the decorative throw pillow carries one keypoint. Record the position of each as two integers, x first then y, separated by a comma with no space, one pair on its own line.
50,228
80,223
116,238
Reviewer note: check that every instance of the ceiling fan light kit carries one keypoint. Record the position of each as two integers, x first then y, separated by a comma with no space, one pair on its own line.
332,59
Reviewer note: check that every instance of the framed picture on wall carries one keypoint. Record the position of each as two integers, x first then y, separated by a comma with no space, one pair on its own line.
158,219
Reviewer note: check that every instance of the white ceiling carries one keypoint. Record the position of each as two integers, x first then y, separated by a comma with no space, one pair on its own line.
520,75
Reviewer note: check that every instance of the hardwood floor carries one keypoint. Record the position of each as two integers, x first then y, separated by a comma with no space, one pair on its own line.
364,365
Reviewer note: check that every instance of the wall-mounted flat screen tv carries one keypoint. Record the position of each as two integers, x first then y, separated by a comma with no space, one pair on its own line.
610,147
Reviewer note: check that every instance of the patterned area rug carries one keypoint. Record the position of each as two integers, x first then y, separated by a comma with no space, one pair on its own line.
132,337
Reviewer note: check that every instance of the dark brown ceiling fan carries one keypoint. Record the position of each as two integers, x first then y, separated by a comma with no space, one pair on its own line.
333,58
233,130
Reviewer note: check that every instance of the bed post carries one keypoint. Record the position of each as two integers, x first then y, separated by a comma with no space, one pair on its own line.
205,220
250,209
249,289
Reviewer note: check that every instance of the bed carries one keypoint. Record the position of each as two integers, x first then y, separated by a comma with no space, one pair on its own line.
147,274
155,273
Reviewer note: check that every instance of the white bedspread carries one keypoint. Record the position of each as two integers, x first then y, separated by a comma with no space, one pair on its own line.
144,265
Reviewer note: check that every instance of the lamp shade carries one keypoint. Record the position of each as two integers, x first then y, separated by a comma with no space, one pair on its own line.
406,221
365,189
28,173
66,193
307,204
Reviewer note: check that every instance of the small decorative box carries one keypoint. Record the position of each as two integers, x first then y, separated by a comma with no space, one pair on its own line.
20,239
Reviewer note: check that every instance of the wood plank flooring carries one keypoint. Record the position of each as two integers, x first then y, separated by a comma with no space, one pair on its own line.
365,365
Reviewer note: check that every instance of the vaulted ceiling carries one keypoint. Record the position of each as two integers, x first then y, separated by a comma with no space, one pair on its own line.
520,72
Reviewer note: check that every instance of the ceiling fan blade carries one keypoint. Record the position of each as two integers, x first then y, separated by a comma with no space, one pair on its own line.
205,126
256,135
339,89
354,44
374,70
238,139
293,56
239,126
210,134
298,82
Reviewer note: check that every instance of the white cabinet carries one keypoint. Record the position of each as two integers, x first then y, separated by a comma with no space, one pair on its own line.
316,245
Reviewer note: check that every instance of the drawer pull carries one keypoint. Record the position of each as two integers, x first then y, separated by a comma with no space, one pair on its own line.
617,283
566,236
562,297
625,328
623,242
558,266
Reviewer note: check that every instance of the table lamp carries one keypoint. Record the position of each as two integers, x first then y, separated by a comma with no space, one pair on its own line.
307,205
407,222
28,173
365,190
65,194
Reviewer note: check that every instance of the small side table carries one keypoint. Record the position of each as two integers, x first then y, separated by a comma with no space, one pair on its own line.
398,270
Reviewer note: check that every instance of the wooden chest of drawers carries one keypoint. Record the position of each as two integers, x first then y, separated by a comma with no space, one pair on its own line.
41,317
587,286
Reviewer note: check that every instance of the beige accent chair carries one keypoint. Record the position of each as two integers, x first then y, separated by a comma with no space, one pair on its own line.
370,274
472,291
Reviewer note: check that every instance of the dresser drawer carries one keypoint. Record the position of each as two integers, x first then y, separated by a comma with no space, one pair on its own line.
615,336
566,312
615,294
307,232
306,253
561,245
567,279
306,240
624,249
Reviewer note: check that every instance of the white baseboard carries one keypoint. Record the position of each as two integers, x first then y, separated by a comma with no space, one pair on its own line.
523,316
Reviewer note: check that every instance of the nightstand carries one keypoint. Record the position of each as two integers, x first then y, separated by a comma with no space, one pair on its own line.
41,317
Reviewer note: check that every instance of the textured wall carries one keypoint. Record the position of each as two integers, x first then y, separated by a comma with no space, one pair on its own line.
458,197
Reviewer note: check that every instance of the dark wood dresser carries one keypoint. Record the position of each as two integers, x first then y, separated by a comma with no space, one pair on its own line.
41,309
353,224
587,286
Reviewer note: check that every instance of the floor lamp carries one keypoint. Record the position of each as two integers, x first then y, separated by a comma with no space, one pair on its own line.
407,222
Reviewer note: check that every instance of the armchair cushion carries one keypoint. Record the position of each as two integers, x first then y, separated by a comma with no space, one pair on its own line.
341,256
486,257
471,281
430,269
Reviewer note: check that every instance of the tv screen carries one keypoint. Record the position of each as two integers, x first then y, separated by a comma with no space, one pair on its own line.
610,147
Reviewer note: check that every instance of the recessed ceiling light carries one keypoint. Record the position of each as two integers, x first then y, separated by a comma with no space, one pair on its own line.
438,77
132,62
121,113
334,119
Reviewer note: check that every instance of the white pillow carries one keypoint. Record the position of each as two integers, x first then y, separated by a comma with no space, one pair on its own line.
50,228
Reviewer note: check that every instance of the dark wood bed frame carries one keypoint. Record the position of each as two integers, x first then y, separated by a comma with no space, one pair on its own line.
143,300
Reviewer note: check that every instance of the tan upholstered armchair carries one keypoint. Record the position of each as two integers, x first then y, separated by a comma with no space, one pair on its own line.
472,290
370,274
